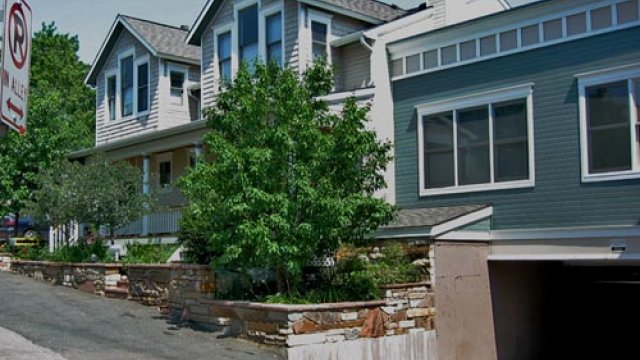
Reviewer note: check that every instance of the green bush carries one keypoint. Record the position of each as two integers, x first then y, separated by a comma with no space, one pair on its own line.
149,253
78,253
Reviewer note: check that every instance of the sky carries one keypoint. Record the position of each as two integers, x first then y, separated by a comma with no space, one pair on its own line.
91,19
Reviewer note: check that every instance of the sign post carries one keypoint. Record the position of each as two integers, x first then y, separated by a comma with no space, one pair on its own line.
16,61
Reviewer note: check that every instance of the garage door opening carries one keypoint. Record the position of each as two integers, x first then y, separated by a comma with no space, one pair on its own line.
559,310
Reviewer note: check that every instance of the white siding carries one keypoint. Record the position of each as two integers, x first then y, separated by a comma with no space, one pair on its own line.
109,131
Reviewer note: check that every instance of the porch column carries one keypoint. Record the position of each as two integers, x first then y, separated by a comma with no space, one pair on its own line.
146,189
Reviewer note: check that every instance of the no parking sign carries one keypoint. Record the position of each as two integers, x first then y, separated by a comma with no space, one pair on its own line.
16,61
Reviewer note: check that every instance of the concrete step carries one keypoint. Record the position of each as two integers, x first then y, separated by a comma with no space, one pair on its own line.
116,293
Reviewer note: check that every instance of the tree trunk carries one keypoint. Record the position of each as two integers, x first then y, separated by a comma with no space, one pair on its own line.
281,280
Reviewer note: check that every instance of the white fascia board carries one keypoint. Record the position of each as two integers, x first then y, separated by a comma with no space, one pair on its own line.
462,221
340,10
198,23
119,21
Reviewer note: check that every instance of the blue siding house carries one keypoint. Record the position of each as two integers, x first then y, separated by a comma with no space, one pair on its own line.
531,117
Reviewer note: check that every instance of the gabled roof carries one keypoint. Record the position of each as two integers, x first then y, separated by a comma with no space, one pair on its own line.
371,11
164,41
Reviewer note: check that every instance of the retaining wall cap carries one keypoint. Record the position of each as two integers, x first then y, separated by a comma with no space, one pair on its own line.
299,308
407,285
169,266
63,264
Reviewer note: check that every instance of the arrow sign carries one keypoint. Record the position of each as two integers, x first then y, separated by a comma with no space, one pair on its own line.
16,110
16,60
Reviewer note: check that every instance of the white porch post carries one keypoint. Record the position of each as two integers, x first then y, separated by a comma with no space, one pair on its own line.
146,189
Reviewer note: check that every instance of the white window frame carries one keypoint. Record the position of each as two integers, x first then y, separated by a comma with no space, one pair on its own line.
235,40
165,157
263,14
123,55
111,74
185,71
631,74
136,63
217,31
323,18
482,99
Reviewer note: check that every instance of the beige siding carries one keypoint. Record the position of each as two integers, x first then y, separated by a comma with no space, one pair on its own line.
353,67
108,131
172,114
342,25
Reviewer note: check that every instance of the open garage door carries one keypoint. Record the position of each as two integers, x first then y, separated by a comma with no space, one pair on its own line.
566,310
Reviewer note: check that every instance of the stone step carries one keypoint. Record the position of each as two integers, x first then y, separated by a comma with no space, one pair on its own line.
116,293
123,284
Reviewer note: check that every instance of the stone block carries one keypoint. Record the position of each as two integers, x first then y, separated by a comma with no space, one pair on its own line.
350,316
418,312
309,339
417,295
407,324
267,328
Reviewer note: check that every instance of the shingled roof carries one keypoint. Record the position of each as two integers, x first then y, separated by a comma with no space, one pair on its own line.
372,8
372,11
164,41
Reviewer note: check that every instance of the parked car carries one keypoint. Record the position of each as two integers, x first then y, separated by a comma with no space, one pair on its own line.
27,227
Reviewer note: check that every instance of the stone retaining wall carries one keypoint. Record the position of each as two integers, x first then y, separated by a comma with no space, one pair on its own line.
5,262
155,285
91,278
406,308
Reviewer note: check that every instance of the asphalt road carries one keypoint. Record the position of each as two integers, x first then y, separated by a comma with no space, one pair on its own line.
41,321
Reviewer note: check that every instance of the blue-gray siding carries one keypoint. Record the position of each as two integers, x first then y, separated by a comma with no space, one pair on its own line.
559,198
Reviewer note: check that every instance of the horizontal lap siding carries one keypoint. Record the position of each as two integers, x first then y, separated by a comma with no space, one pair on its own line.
291,42
353,67
224,16
559,198
107,131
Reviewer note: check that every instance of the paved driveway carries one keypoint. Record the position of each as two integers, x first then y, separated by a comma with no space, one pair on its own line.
40,321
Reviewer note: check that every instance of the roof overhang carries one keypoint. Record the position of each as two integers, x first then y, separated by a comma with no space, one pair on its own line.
433,229
206,15
153,142
340,10
109,42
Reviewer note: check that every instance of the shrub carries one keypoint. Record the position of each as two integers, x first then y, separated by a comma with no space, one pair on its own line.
149,253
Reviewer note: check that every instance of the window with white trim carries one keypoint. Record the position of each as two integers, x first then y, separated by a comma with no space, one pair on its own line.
320,28
477,143
224,56
248,35
177,79
274,43
126,86
142,80
609,120
111,90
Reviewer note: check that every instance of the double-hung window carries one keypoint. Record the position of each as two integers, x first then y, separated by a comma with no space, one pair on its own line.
224,55
609,121
319,25
112,88
273,24
177,79
248,34
142,77
477,143
126,86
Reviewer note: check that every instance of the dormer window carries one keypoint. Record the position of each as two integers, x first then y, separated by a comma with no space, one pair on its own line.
111,95
248,34
127,89
143,87
178,79
126,86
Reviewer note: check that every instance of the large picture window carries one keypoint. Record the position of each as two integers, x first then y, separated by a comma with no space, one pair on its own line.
476,144
609,125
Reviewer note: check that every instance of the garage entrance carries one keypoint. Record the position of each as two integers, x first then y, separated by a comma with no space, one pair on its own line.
565,310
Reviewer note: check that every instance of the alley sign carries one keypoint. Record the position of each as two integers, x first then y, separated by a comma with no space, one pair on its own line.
16,61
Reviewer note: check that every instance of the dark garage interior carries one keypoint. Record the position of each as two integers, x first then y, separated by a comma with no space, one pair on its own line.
566,310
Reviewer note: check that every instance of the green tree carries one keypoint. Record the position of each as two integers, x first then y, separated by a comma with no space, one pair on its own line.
60,118
287,180
99,193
